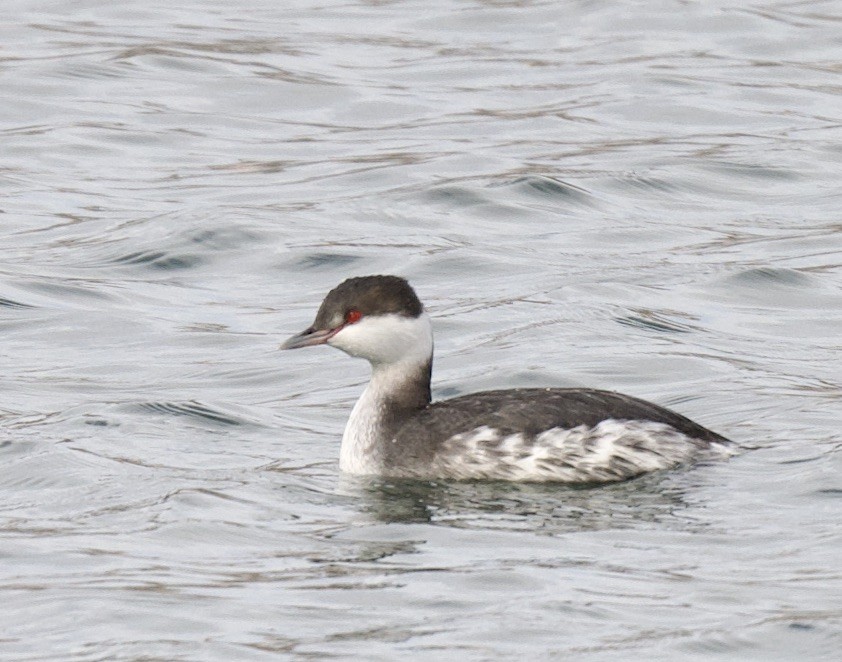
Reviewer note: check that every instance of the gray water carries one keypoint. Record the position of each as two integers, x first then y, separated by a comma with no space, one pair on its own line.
634,196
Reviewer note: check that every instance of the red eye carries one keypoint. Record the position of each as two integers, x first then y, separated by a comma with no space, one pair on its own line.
353,316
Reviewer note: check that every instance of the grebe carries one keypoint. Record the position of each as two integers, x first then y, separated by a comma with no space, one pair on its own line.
572,435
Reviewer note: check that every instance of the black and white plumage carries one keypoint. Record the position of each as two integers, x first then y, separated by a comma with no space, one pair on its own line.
535,434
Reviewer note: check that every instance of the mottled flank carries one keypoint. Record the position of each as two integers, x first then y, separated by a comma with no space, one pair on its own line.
541,435
610,451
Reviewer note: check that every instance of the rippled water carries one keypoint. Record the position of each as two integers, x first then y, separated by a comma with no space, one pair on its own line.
643,197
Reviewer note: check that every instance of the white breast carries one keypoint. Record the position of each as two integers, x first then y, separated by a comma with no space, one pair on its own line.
359,452
364,436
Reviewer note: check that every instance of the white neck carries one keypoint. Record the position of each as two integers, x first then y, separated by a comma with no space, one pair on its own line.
395,391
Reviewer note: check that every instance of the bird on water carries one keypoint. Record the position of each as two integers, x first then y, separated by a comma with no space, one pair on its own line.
571,435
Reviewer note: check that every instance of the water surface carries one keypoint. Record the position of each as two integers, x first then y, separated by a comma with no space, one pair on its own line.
639,197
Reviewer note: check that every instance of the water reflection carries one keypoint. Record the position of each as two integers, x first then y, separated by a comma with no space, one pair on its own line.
547,508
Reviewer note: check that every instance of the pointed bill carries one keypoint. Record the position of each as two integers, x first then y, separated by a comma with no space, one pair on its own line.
308,338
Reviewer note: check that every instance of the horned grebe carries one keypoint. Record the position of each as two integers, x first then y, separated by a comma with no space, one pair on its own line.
571,435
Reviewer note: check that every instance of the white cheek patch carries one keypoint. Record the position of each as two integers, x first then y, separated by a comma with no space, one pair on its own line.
386,339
